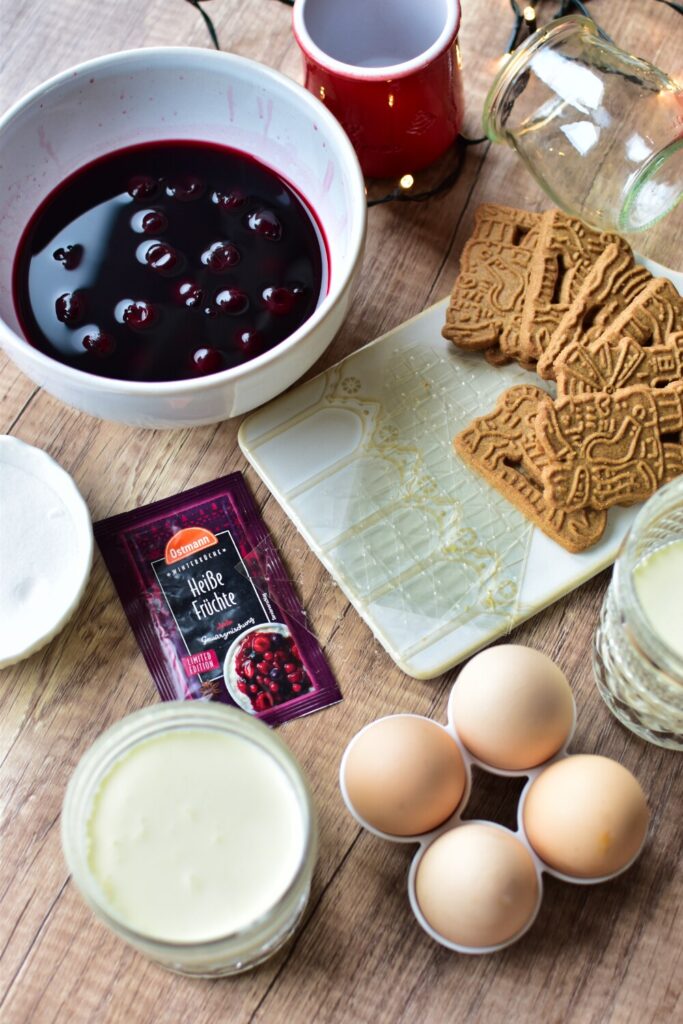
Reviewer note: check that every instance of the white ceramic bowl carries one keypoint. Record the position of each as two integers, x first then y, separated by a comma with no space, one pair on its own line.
180,93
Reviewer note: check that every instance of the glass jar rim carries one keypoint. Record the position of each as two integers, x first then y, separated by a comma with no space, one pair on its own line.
148,723
643,178
643,633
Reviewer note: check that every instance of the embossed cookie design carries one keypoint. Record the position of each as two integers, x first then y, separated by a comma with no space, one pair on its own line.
503,447
486,303
606,450
569,302
653,315
612,284
604,366
565,254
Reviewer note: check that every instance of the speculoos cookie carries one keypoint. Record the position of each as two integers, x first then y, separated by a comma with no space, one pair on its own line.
485,307
603,450
503,447
608,366
612,284
564,255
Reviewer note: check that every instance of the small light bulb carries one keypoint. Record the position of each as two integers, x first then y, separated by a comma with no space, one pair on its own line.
391,99
407,181
529,14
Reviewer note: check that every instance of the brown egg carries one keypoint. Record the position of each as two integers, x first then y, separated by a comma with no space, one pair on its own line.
404,775
586,816
477,886
512,707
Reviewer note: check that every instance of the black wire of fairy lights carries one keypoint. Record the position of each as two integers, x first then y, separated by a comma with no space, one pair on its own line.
210,27
524,22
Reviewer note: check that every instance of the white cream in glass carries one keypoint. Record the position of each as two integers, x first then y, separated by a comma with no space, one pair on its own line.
189,829
638,648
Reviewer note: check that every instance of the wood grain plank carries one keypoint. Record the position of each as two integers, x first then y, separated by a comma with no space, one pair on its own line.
609,954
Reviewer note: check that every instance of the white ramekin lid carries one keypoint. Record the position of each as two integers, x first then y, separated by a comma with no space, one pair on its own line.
46,546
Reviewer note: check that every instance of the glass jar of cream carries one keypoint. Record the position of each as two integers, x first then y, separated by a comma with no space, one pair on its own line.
190,831
638,647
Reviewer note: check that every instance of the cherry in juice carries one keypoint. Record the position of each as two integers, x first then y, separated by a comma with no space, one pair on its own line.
168,260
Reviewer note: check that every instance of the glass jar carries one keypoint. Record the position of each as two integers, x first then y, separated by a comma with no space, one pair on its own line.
639,676
230,953
600,130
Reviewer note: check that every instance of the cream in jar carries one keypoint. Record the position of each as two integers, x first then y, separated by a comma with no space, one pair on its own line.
190,830
658,581
193,835
638,647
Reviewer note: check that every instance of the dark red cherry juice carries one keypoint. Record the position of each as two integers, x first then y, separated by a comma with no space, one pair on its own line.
168,260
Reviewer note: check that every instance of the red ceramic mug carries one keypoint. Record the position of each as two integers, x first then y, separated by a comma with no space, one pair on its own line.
389,70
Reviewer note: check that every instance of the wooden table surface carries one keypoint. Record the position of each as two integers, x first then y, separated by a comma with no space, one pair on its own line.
605,954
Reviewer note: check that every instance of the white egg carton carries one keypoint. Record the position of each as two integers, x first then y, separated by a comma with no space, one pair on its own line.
425,840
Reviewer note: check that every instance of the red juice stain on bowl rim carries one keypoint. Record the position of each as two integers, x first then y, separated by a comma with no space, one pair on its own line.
158,359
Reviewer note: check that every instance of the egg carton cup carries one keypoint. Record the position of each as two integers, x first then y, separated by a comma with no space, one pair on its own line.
455,820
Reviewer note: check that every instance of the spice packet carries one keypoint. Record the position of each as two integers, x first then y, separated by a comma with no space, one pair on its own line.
211,605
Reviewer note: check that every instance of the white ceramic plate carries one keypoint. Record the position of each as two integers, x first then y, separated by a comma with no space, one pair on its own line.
46,545
436,561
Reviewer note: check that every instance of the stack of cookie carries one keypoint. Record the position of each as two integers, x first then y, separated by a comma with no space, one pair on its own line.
557,297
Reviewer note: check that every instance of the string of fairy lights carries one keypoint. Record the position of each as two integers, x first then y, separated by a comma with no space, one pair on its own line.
525,22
